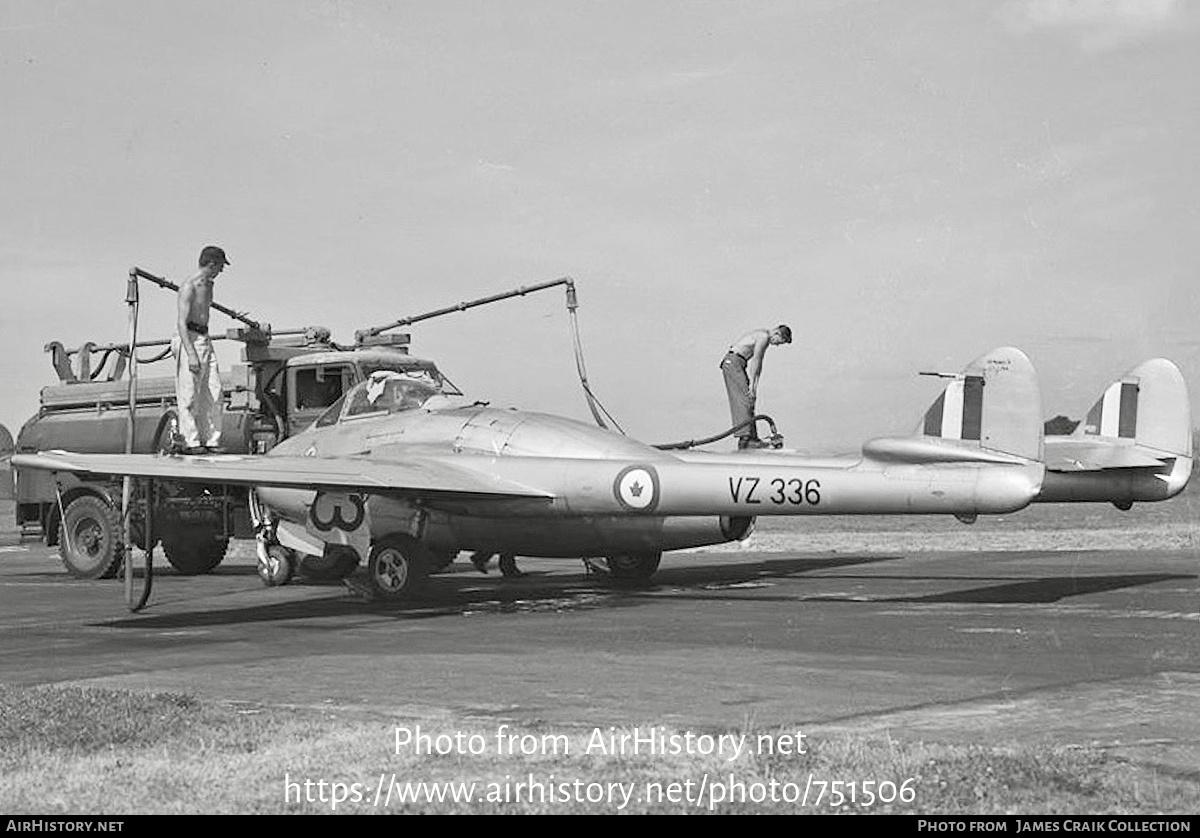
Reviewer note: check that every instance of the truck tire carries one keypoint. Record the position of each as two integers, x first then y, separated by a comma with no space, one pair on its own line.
88,538
193,550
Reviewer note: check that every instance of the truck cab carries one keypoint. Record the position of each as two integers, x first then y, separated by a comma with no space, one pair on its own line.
311,383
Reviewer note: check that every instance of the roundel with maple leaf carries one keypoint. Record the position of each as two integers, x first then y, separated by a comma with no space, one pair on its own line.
636,488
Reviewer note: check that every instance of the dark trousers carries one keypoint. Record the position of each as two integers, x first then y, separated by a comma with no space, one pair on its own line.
737,386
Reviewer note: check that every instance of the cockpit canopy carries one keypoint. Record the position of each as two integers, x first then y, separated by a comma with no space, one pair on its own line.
389,391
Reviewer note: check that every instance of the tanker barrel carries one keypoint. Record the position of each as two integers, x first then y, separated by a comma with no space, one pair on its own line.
252,335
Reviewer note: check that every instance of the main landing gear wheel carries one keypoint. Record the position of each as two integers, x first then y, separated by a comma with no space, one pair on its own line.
633,567
88,537
398,564
279,567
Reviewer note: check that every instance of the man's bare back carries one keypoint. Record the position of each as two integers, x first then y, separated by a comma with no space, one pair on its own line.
750,343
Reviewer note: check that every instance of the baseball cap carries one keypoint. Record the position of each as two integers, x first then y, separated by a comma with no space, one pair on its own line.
212,253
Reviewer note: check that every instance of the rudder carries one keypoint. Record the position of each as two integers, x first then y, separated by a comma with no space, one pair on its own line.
995,402
1149,406
990,412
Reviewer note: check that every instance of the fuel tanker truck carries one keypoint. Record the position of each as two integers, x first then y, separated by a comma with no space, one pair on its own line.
284,381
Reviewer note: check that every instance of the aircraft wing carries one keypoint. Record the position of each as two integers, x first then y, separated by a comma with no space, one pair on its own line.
1075,454
416,475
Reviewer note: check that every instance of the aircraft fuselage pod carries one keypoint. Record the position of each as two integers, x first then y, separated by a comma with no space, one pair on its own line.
607,493
543,485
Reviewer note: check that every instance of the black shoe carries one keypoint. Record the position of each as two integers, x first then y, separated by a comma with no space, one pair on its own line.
193,450
480,560
508,566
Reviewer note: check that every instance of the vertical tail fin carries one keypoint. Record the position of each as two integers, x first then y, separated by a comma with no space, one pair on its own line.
1149,406
990,412
1135,445
995,403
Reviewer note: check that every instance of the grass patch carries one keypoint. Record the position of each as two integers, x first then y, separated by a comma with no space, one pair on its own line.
80,750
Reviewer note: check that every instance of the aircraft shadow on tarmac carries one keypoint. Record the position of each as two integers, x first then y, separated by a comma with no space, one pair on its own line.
468,593
1047,589
465,593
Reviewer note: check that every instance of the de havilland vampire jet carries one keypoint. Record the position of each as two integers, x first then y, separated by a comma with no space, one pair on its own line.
399,472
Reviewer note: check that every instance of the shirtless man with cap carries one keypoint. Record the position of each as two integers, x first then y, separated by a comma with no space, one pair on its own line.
741,367
197,379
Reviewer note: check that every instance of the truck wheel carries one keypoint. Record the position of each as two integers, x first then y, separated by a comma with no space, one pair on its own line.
338,562
88,538
634,567
398,565
194,551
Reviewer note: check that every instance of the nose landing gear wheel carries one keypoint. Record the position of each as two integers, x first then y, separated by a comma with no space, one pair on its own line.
398,564
279,566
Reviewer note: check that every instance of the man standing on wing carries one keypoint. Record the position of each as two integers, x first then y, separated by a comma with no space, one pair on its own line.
197,379
741,367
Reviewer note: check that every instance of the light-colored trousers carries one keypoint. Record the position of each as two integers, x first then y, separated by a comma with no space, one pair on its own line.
198,395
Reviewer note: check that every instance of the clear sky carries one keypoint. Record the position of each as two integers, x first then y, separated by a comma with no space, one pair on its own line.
907,184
